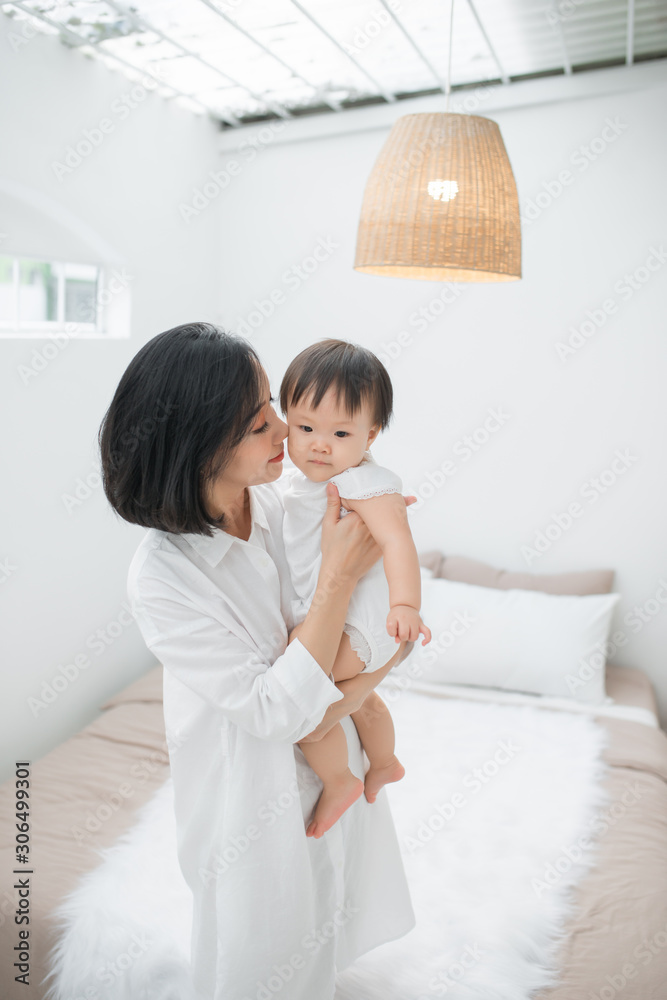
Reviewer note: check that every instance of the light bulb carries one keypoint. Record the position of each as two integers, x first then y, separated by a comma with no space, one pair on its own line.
443,190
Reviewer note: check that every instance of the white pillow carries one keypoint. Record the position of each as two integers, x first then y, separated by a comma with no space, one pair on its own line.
515,640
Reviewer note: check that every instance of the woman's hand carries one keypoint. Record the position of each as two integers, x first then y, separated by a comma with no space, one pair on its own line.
355,690
348,551
348,548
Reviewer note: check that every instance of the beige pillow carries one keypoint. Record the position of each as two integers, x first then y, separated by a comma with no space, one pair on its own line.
461,569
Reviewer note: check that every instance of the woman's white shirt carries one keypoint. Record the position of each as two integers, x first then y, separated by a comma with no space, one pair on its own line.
270,904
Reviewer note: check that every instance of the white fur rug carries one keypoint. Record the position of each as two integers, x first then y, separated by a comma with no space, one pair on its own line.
488,816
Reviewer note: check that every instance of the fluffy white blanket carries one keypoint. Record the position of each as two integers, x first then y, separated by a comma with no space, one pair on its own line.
489,816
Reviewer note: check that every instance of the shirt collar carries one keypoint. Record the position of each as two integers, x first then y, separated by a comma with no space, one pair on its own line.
213,549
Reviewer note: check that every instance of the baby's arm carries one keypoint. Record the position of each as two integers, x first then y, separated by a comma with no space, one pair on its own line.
386,519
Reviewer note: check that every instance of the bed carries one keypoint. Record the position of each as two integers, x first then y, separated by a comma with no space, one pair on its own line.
88,791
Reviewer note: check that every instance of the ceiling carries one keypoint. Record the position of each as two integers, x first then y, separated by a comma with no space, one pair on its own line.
244,61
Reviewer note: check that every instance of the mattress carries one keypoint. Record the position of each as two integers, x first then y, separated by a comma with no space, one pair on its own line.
84,794
88,790
615,944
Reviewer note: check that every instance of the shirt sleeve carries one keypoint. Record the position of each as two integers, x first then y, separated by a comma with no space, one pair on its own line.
283,700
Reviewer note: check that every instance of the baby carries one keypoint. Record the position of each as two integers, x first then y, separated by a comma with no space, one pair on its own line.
336,398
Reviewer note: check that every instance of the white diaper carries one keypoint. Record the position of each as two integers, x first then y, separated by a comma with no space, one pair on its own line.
366,619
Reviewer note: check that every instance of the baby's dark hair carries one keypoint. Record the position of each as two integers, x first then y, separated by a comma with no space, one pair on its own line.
357,376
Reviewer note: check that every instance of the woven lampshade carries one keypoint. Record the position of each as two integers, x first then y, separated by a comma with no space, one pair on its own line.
441,203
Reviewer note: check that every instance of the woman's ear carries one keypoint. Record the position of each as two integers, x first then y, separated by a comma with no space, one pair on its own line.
372,434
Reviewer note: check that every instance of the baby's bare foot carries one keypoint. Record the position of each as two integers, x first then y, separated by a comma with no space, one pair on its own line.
337,796
376,777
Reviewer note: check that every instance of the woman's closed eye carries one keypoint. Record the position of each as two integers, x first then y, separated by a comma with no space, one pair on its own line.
265,426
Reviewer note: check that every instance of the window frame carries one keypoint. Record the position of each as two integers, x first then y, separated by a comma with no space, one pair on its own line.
45,329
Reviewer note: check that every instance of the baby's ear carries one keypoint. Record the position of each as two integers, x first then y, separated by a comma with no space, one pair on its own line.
372,434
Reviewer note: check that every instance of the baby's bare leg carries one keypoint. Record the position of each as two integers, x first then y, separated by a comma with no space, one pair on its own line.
374,725
328,759
376,732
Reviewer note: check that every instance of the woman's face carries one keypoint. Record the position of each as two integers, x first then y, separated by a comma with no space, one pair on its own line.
257,459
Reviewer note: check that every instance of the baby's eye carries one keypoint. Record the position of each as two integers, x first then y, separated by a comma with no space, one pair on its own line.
342,434
305,427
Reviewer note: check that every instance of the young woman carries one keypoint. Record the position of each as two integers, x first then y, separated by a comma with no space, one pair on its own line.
192,449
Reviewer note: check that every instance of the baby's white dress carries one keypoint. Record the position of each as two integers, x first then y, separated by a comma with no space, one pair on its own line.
305,504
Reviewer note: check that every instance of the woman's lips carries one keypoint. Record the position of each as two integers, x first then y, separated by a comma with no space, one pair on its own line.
279,457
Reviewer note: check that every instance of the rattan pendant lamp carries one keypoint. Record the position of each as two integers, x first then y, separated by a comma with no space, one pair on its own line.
441,201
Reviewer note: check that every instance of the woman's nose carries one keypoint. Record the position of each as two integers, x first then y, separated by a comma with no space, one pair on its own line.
280,427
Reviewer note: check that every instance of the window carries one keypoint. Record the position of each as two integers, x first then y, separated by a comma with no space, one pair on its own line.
44,297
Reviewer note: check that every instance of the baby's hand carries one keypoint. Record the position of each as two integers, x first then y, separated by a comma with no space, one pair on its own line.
404,622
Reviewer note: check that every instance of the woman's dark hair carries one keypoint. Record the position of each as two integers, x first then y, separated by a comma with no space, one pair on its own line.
185,402
357,376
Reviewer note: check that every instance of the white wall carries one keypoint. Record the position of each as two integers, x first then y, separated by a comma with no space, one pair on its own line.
64,572
494,345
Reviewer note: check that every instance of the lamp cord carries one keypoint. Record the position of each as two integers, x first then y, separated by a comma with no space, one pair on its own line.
449,59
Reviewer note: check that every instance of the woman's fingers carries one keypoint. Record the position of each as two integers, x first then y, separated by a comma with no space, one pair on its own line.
332,513
347,545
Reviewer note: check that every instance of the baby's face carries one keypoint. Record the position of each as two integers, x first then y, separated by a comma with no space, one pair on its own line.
326,441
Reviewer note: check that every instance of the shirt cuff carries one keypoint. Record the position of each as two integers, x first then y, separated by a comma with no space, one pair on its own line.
305,681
